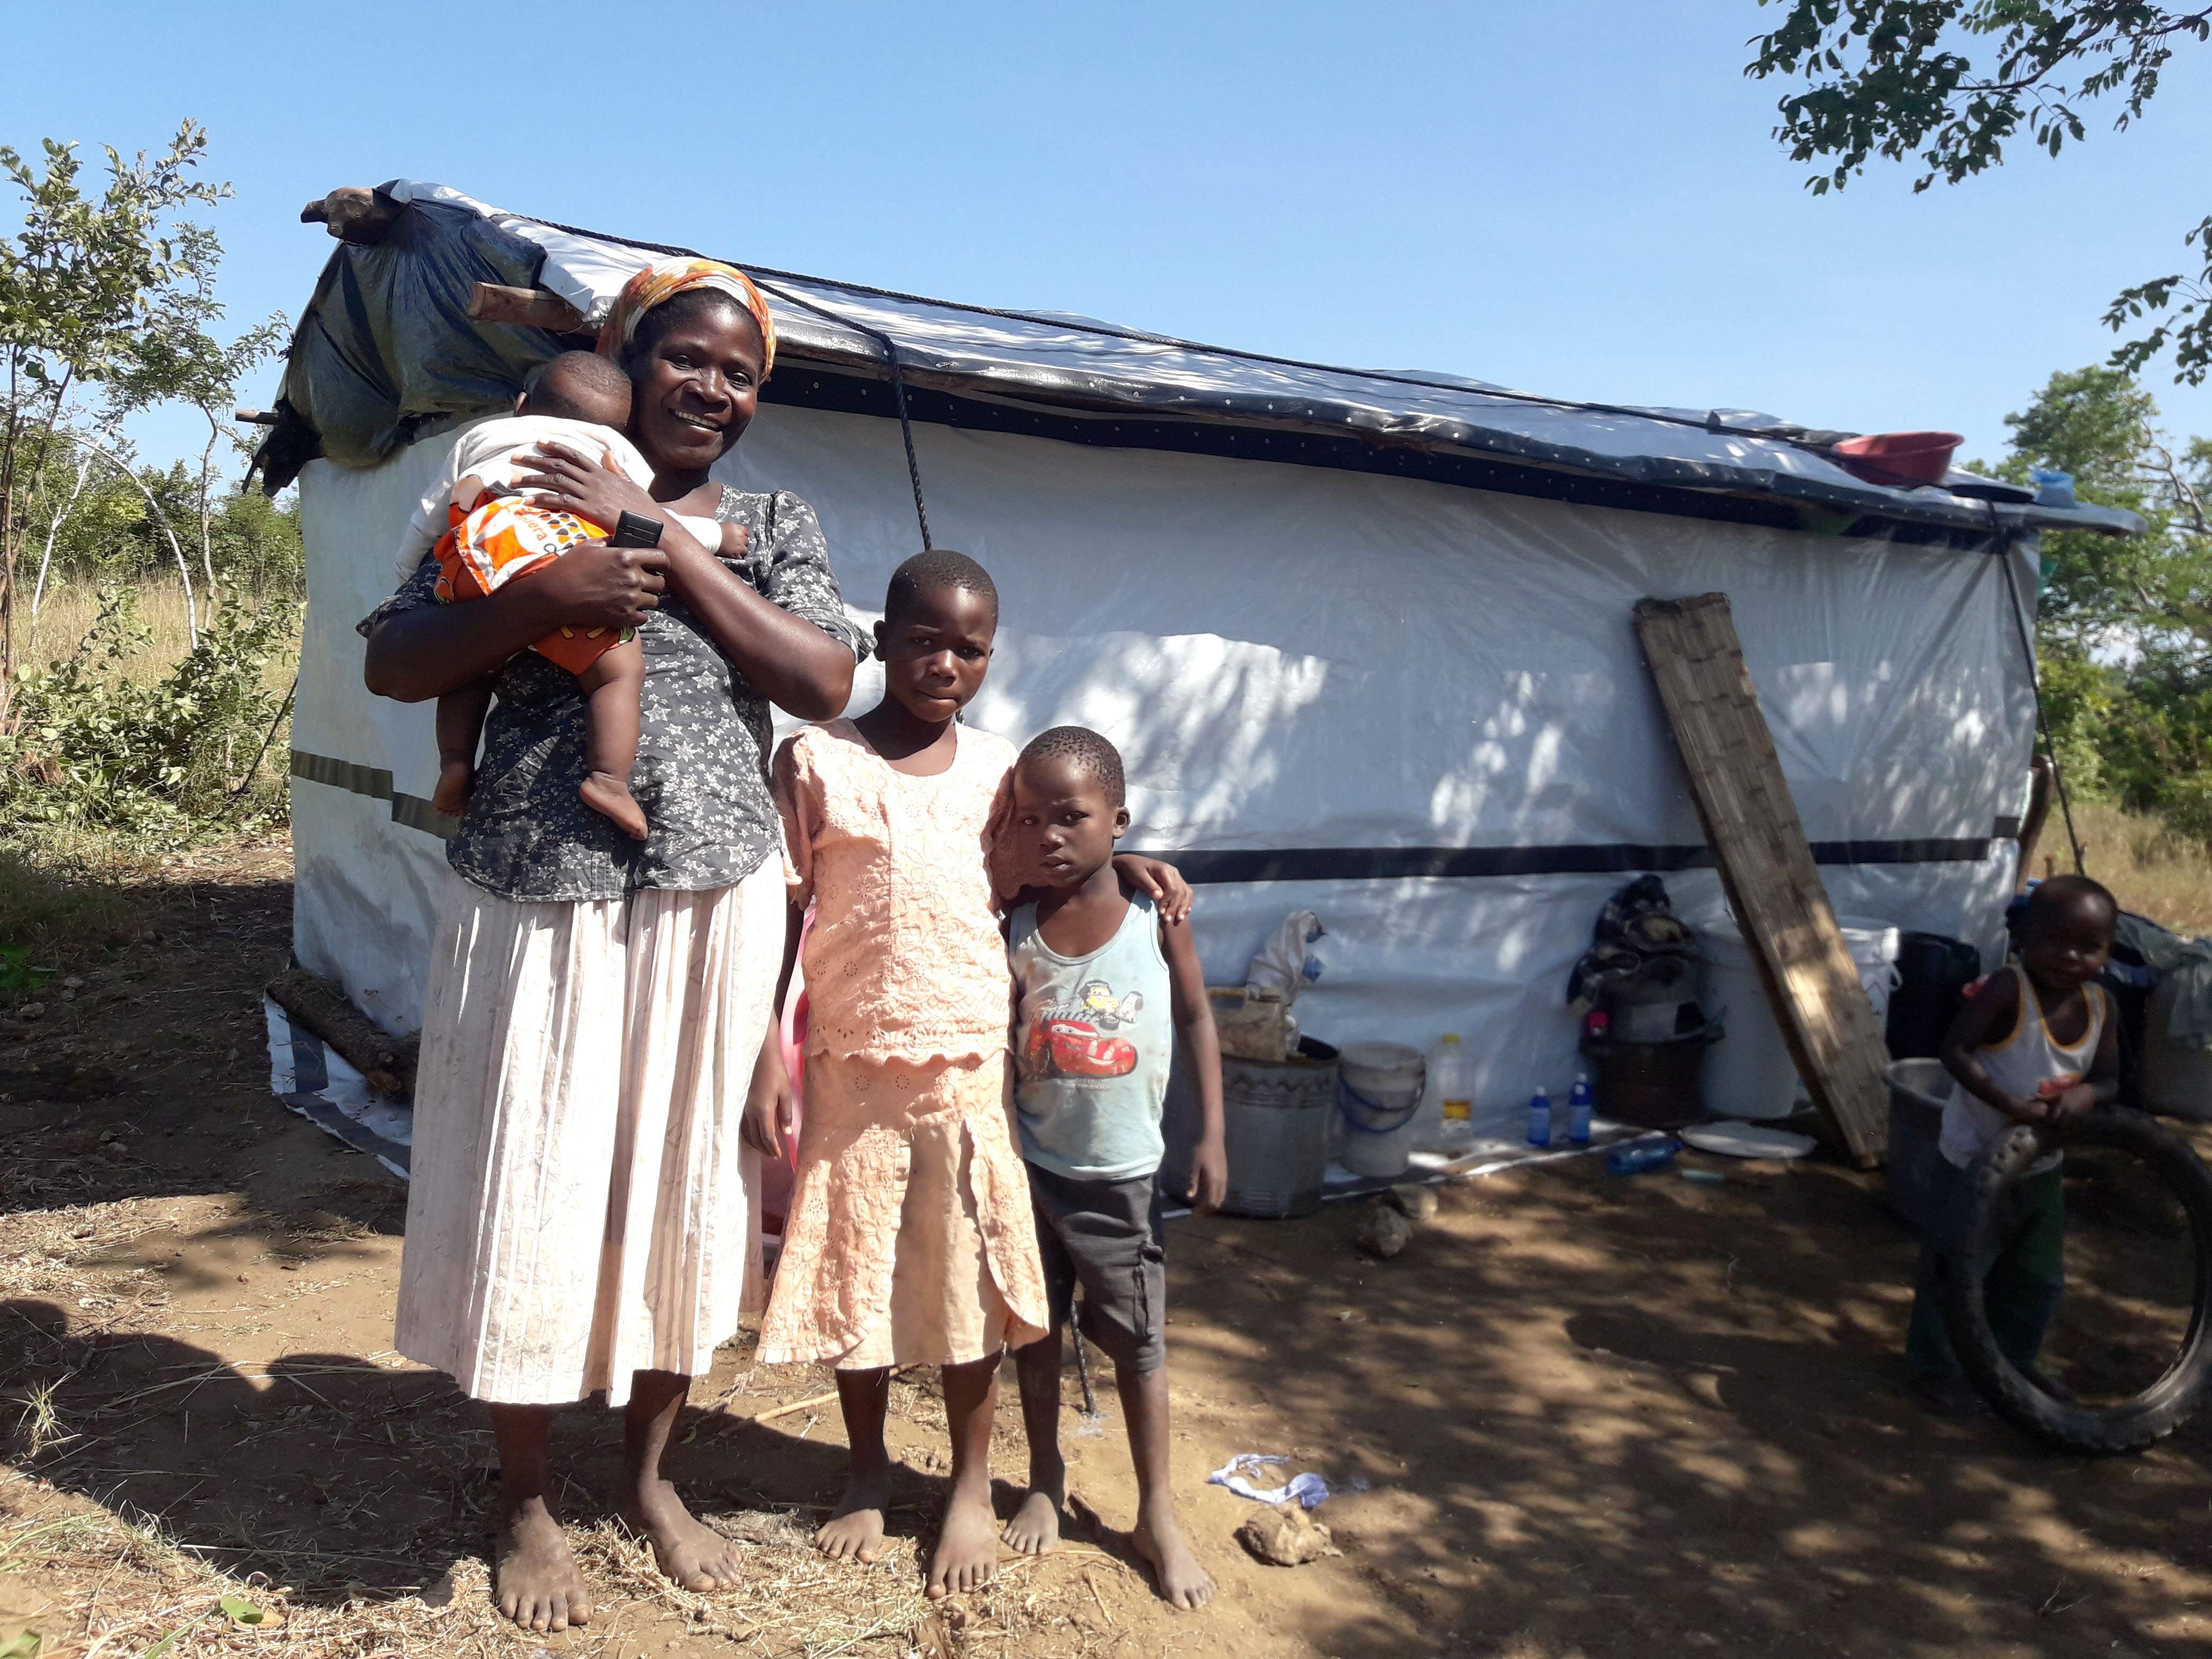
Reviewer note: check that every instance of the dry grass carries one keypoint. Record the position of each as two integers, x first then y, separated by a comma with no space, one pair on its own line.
2150,869
69,611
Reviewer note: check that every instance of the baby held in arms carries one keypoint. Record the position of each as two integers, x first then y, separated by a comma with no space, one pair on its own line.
486,533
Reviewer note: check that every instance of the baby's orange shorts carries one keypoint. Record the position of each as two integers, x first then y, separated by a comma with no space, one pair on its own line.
503,538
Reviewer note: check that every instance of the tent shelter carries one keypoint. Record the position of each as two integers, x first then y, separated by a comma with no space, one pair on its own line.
1363,637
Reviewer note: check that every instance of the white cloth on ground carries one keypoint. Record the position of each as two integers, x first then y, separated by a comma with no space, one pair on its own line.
494,453
582,1206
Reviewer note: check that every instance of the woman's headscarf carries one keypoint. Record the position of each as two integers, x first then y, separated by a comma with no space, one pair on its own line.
663,280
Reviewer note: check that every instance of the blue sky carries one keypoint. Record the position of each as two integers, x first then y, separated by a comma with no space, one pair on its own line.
1579,198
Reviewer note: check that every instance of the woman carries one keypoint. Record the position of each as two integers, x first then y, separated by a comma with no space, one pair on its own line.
581,1217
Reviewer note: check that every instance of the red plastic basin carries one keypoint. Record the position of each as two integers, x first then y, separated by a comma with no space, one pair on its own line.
1899,458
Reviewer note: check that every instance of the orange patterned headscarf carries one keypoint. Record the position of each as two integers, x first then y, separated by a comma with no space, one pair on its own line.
663,280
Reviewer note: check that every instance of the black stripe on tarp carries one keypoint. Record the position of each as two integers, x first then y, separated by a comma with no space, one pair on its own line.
1409,863
1306,863
375,782
371,781
417,813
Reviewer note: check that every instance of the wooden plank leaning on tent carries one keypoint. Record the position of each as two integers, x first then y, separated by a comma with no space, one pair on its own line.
1766,866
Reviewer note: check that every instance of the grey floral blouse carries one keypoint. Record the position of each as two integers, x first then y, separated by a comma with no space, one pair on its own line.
702,771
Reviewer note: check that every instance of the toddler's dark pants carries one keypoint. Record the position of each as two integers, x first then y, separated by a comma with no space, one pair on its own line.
2022,1276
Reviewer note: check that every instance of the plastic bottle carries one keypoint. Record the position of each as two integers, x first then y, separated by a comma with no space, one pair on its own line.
1454,1088
1579,1111
1638,1155
1539,1119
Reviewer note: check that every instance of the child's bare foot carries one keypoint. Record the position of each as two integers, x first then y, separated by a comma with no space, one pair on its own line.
1183,1584
1035,1529
854,1530
457,781
691,1555
966,1552
609,796
533,1574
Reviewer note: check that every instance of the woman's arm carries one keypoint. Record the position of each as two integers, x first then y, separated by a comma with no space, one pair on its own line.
788,659
415,655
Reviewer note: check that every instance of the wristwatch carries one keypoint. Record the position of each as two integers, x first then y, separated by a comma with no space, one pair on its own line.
635,530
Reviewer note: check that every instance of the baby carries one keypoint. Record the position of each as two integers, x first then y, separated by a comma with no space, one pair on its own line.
486,533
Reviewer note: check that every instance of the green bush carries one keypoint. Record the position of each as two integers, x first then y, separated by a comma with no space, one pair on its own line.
161,761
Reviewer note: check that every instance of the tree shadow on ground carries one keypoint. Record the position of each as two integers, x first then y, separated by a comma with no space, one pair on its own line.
1599,1414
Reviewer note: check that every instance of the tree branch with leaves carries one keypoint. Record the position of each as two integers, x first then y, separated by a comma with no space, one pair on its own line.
1892,79
114,295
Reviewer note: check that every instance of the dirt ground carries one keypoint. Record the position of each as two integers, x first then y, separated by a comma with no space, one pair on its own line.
1580,1416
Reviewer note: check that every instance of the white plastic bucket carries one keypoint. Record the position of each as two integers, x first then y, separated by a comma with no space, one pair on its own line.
1749,1072
1873,944
1378,1090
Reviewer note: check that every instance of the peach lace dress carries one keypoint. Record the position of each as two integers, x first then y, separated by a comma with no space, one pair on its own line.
909,1239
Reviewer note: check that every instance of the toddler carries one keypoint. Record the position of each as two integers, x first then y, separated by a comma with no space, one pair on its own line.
484,534
909,1241
2035,1044
1105,984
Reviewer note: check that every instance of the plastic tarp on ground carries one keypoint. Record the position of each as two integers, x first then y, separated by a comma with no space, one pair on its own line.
1340,671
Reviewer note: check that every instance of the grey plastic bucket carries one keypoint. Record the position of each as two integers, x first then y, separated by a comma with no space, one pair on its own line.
1275,1119
1918,1090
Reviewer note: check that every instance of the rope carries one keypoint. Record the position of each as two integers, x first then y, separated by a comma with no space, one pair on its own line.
898,387
2003,551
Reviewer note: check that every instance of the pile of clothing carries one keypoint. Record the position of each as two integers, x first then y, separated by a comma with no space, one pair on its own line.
1640,970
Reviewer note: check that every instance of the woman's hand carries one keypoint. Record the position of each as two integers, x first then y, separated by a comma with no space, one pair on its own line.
596,585
770,1111
1162,883
562,478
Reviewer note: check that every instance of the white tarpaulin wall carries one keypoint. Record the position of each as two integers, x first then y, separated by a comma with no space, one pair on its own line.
1323,662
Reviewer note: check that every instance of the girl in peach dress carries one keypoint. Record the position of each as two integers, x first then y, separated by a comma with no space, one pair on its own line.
909,1239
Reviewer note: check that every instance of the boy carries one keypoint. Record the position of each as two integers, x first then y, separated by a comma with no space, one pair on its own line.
486,534
2035,1044
1102,983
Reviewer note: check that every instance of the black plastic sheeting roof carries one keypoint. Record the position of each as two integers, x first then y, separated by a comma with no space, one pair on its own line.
385,352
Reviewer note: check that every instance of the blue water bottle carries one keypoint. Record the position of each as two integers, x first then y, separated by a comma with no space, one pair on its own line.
1579,1111
1539,1119
1638,1155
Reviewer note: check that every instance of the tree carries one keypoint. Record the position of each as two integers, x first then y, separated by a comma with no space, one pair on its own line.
93,295
2124,626
1884,79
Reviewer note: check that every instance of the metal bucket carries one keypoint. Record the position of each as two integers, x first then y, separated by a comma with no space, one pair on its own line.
1918,1089
1275,1119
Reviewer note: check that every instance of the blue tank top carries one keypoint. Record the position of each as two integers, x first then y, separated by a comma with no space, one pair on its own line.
1094,1037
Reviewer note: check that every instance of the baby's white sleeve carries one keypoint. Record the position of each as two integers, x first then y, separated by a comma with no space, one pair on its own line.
428,520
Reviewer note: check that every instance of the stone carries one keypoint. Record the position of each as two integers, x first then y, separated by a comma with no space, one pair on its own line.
1383,1230
1285,1537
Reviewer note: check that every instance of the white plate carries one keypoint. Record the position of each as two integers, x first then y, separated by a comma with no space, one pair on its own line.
1748,1141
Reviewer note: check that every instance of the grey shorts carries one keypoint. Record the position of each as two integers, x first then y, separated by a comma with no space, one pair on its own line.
1107,1236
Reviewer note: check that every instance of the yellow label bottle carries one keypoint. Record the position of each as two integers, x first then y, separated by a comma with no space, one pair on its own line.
1455,1083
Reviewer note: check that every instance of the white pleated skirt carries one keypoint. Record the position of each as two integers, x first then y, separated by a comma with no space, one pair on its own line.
581,1206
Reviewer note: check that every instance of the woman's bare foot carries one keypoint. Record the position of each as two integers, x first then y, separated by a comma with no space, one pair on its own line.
966,1552
854,1530
1035,1529
1183,1584
609,797
457,781
533,1575
690,1554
